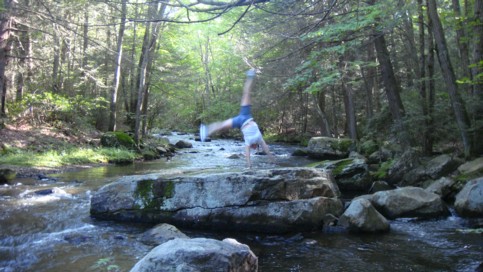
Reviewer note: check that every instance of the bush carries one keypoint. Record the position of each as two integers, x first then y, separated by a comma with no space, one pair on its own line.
118,139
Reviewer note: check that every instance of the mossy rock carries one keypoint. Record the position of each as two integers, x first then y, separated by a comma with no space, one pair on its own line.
327,148
150,154
343,145
117,139
7,175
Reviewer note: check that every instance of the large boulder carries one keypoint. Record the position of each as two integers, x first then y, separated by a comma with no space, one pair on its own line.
469,201
433,169
326,148
361,216
351,174
409,160
273,201
199,254
408,202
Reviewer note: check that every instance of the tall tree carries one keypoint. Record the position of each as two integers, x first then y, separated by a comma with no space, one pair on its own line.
477,74
117,68
391,85
155,10
457,103
5,33
427,142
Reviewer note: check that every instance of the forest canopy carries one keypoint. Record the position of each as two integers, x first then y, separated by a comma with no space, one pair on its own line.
409,71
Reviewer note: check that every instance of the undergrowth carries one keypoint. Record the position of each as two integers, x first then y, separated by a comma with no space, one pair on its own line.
73,156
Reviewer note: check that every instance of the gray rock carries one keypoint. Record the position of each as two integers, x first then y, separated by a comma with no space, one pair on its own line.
351,174
469,201
380,185
199,254
273,201
380,156
433,169
326,148
404,164
409,202
183,144
441,187
161,234
471,166
361,216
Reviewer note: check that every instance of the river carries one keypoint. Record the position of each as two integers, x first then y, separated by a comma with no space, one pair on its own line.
45,225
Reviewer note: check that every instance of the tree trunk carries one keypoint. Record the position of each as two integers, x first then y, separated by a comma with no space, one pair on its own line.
477,72
389,79
152,50
325,126
131,91
117,69
457,104
56,60
5,32
85,37
149,43
393,89
141,80
350,113
431,82
426,133
462,41
369,108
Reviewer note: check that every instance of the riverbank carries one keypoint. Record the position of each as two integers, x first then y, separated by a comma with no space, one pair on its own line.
28,150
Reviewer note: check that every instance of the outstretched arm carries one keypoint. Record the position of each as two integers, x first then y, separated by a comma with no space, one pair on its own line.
247,156
267,150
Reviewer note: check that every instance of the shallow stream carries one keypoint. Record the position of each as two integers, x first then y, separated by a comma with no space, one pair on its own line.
45,225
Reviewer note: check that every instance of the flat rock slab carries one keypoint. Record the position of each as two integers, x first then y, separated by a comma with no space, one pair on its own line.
272,201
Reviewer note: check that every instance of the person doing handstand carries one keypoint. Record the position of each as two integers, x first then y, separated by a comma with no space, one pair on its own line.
243,121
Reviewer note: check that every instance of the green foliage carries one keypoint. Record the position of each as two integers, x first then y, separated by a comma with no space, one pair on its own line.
342,144
300,139
368,147
144,192
118,139
383,169
49,107
73,156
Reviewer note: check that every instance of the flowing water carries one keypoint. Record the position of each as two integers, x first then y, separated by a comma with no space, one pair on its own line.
45,225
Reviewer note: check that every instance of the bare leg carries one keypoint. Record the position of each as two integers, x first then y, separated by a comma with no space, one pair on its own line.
247,88
216,126
228,124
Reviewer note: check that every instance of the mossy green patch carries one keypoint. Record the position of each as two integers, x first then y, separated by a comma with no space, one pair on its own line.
317,164
144,193
381,172
117,139
336,167
341,144
340,166
164,189
466,177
